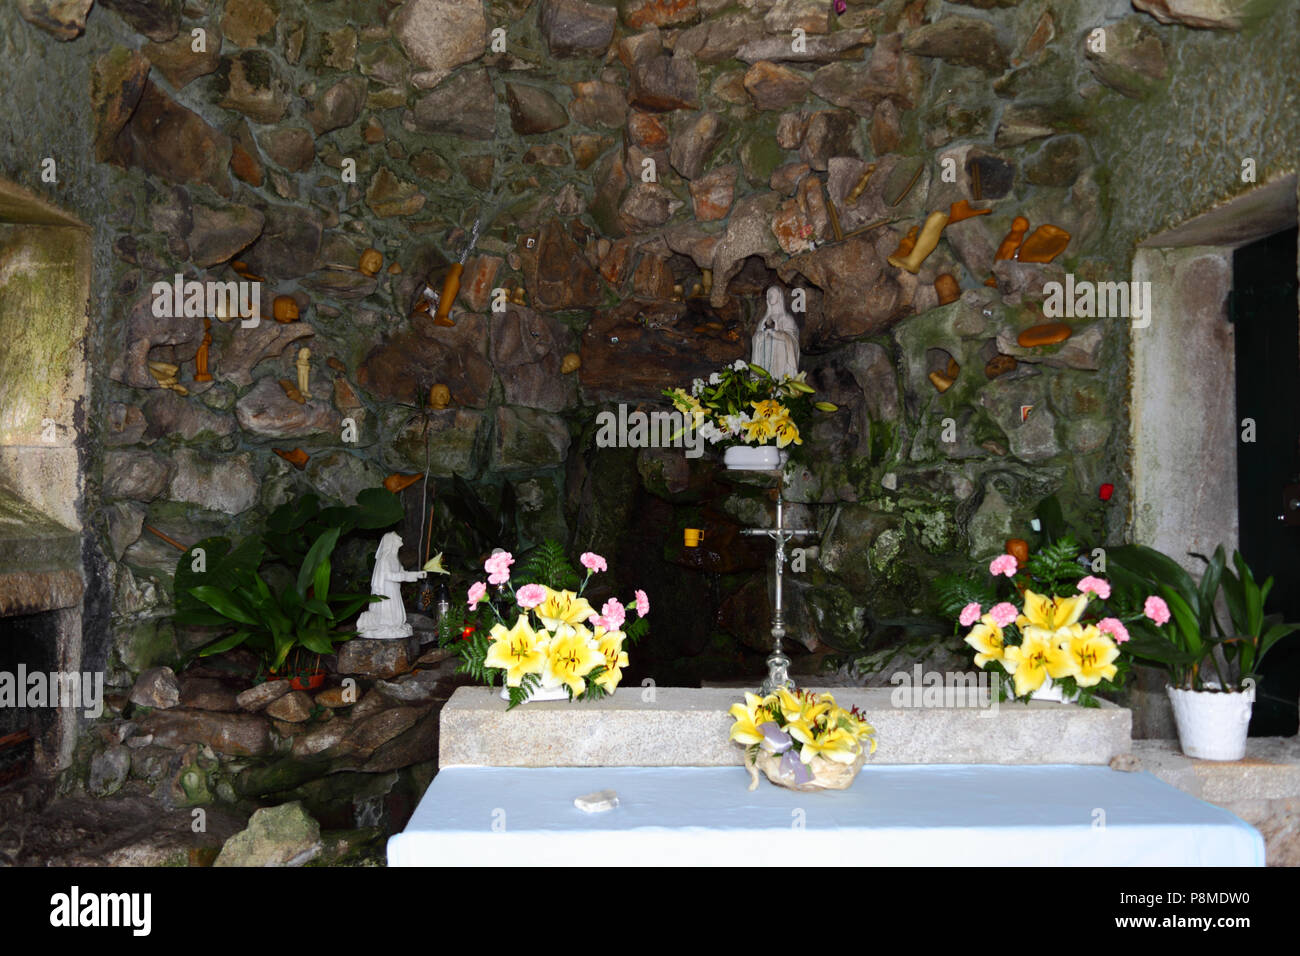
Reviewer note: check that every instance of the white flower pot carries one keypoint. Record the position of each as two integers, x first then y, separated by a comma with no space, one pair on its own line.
754,457
1051,690
1212,724
541,693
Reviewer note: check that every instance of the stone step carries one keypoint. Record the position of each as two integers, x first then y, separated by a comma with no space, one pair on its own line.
688,727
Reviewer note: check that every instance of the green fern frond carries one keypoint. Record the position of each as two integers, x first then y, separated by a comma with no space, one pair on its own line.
549,565
1054,565
528,684
635,629
953,592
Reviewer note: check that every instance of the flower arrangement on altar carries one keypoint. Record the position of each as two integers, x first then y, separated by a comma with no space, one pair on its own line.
539,635
801,740
1057,631
743,404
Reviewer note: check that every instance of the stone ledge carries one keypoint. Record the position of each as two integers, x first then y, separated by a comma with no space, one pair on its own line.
688,727
1270,770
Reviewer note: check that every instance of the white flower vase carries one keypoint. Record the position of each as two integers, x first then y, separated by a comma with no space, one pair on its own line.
1051,690
754,457
1212,724
540,694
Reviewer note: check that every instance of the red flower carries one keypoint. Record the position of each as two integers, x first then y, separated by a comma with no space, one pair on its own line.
469,629
1105,491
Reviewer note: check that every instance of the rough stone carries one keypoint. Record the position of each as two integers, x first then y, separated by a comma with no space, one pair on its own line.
1023,124
960,40
1201,14
526,438
840,45
576,28
748,234
178,62
235,361
830,134
117,82
293,707
533,110
220,231
226,484
863,294
167,140
658,81
250,84
776,87
713,193
64,19
1133,62
292,147
125,524
134,474
157,687
240,735
596,103
557,275
693,144
287,248
389,197
169,414
440,35
338,106
126,425
526,350
465,105
109,770
338,48
403,368
268,412
259,695
276,836
647,206
206,693
159,20
1082,350
248,22
386,659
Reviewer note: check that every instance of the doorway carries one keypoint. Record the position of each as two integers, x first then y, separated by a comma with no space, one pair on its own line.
1262,309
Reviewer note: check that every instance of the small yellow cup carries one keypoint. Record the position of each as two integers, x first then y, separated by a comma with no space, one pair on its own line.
693,536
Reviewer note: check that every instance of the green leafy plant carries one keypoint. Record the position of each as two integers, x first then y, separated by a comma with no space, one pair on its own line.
292,527
1253,632
275,622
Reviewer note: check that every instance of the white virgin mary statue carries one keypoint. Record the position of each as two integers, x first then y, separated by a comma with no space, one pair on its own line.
386,619
776,339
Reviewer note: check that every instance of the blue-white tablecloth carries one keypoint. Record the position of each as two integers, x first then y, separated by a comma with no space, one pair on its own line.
892,815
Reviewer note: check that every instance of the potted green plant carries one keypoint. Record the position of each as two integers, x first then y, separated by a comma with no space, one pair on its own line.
273,617
1213,667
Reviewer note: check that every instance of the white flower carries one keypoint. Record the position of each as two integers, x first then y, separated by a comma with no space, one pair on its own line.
735,422
710,433
697,386
740,365
715,379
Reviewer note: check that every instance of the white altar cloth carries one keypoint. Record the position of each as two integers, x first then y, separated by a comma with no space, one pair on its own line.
901,815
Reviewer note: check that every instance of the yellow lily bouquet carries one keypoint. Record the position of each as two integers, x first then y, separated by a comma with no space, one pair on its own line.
1048,640
545,640
801,740
744,405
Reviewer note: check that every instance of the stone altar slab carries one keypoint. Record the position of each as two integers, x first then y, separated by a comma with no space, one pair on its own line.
688,727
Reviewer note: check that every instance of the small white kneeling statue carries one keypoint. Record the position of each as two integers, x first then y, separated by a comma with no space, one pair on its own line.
776,338
386,620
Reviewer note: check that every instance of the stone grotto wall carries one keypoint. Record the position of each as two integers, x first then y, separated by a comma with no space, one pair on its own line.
758,120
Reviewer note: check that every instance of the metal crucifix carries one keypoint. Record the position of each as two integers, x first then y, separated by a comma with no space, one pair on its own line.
777,663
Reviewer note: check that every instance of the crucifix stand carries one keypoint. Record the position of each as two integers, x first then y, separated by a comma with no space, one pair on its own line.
778,664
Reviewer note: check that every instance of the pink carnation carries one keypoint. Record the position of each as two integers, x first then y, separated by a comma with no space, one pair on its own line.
970,614
476,592
1156,609
642,604
1113,627
530,595
1003,564
1003,614
612,615
1097,586
498,567
593,562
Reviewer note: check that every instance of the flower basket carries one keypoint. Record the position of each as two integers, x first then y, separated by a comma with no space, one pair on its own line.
779,769
801,741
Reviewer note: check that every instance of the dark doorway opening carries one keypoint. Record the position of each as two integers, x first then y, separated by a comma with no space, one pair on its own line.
1267,334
